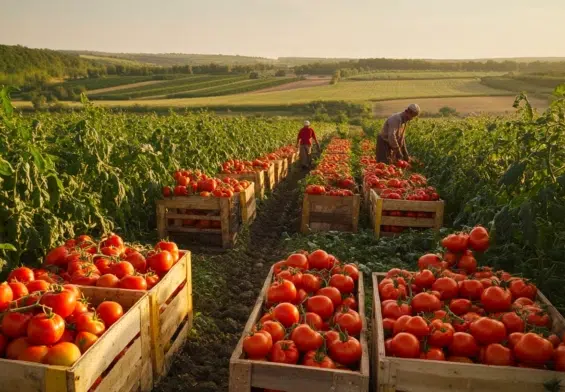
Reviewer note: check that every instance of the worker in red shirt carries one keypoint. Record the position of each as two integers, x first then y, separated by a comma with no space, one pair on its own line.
303,141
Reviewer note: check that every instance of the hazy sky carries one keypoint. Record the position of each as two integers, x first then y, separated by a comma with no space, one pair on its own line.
307,28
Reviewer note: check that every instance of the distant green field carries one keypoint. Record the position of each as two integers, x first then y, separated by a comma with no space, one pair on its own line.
416,75
541,87
110,81
235,88
112,60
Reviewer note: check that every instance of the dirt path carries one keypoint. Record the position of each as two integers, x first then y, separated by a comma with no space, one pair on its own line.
225,288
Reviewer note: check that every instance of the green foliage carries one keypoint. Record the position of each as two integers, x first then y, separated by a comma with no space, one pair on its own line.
93,171
447,111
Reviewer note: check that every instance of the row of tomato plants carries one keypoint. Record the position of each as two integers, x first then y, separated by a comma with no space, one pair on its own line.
46,319
333,175
453,310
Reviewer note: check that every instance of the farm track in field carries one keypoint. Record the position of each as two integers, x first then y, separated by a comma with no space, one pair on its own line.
225,288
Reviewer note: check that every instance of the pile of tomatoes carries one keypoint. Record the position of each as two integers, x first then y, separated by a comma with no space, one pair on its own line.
339,146
453,310
108,263
49,323
312,316
236,166
197,183
286,151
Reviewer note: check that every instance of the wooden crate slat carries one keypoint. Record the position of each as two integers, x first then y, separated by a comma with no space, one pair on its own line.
245,374
411,205
257,177
181,229
248,205
173,315
413,375
191,202
123,376
406,221
270,177
173,215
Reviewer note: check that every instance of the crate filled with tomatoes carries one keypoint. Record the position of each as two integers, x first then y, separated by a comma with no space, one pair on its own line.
65,338
118,270
260,172
289,153
206,210
331,199
307,331
280,165
398,200
454,326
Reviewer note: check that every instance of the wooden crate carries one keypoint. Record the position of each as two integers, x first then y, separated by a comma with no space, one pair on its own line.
246,374
281,170
171,315
326,213
270,179
392,374
258,178
222,213
248,204
129,371
378,207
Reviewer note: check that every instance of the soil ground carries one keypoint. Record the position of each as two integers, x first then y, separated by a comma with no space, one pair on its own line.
225,288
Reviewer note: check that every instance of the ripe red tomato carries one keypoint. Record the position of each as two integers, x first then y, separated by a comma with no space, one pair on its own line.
152,279
84,279
38,285
392,291
559,358
471,289
281,290
349,321
513,322
350,302
460,306
160,262
536,316
523,289
441,334
133,282
62,354
34,354
343,283
306,339
429,261
479,239
496,354
425,302
274,328
45,329
257,345
456,243
62,302
171,247
57,256
311,283
287,314
514,338
487,331
284,351
346,350
84,340
6,296
394,309
319,259
318,359
321,305
114,241
138,261
332,293
447,287
463,345
314,320
417,326
21,274
108,280
109,312
424,279
467,263
68,336
405,345
89,322
533,349
496,299
19,290
122,268
297,260
14,324
433,354
293,275
350,270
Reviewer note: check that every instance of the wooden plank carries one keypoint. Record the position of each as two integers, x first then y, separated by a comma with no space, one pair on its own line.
225,205
157,349
181,229
125,374
161,221
146,381
173,315
258,178
171,215
247,204
191,203
411,205
406,221
126,298
438,218
270,177
98,357
172,280
176,346
240,376
355,209
19,376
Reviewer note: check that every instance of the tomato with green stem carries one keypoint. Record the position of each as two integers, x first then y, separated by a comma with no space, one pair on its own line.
257,345
286,313
14,324
349,321
281,290
62,354
284,351
405,345
109,312
332,293
318,359
345,350
90,322
306,339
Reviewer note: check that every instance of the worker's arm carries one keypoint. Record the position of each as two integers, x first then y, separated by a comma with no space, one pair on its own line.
405,154
316,140
298,140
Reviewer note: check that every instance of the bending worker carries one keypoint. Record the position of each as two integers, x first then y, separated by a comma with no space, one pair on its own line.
391,142
304,142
